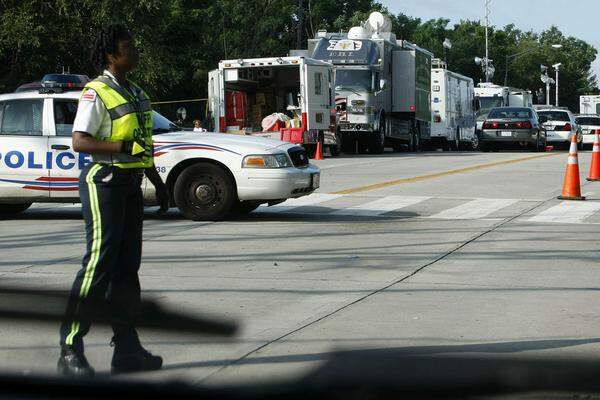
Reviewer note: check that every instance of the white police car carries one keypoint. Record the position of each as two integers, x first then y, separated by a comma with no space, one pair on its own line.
210,176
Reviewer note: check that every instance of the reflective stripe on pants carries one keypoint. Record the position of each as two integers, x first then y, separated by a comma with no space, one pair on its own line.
112,208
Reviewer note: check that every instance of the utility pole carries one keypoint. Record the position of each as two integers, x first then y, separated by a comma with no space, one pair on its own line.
487,51
300,23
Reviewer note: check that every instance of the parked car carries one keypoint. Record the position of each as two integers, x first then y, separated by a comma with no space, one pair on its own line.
588,123
560,125
210,176
513,125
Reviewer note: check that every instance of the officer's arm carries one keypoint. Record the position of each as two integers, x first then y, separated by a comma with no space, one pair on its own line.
85,143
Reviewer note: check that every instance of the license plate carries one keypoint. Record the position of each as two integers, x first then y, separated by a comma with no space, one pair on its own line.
316,180
506,134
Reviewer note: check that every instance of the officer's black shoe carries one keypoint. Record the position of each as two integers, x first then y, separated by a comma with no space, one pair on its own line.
133,359
72,363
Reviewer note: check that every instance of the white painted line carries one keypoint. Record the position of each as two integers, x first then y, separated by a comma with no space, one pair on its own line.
381,206
291,204
567,212
475,209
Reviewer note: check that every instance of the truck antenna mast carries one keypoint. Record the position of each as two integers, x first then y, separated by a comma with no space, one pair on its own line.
487,54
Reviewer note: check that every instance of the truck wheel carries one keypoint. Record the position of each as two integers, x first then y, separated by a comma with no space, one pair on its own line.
378,141
415,142
204,192
244,207
7,210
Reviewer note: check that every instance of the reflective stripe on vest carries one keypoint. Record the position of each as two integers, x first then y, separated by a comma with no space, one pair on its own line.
124,120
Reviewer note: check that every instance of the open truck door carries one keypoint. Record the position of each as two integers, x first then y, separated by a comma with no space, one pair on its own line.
317,97
215,107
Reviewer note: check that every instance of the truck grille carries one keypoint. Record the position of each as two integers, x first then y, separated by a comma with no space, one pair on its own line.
298,156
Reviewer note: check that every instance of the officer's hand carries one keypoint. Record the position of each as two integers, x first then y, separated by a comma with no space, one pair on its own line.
162,198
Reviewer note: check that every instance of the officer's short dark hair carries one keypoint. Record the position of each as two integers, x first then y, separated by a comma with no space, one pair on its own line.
107,42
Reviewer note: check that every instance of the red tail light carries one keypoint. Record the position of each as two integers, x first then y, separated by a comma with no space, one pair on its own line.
567,127
523,125
490,125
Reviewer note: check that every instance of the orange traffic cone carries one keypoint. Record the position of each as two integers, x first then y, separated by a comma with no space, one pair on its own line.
319,152
595,168
571,186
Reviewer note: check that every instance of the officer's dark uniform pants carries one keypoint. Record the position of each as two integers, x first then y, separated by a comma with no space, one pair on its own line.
112,206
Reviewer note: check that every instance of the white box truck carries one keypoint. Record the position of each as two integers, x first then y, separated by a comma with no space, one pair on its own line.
589,104
242,92
452,109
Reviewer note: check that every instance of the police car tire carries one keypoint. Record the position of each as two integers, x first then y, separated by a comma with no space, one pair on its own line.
12,209
219,185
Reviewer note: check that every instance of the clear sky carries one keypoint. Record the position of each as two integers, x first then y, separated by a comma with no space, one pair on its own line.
578,18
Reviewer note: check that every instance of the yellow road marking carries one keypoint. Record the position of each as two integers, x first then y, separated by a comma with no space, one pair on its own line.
439,174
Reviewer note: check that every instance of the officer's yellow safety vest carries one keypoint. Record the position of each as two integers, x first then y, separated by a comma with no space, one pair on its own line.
131,118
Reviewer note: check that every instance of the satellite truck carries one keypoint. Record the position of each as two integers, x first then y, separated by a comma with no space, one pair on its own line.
382,86
453,109
490,95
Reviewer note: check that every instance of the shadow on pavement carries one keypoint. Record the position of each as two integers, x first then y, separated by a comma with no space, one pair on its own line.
488,348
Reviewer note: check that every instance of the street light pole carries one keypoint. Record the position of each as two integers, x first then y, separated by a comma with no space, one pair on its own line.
557,68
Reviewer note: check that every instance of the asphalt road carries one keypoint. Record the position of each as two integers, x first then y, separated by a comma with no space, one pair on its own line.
431,253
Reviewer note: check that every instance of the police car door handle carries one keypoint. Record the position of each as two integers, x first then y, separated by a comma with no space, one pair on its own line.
59,147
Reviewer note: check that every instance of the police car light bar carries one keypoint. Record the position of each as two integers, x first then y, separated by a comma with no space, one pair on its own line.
57,83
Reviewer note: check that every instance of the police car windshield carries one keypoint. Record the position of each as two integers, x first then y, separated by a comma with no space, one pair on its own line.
162,124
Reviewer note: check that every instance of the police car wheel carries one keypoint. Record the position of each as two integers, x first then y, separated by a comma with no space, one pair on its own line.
12,209
204,192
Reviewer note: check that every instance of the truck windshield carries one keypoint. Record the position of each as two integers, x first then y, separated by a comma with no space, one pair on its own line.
354,79
487,103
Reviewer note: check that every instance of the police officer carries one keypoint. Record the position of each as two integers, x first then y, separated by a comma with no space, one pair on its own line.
114,125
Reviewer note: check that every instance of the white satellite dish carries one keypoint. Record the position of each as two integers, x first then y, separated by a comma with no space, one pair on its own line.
379,23
358,32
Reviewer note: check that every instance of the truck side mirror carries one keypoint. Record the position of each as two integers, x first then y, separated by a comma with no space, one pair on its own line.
382,84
